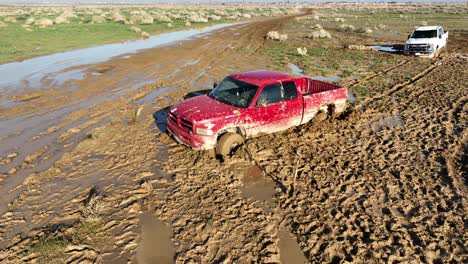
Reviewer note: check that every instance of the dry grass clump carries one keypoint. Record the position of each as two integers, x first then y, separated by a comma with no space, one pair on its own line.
118,17
44,22
316,26
98,19
346,28
30,21
145,34
381,27
135,29
319,34
10,20
302,51
274,35
339,20
188,24
2,24
141,17
364,30
61,20
423,23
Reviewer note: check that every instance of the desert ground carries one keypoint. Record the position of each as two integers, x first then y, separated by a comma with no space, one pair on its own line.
89,175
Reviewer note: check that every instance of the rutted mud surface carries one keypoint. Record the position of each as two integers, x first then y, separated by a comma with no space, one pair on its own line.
384,182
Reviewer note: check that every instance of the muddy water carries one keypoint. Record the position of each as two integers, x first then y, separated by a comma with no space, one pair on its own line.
51,69
156,245
290,252
256,186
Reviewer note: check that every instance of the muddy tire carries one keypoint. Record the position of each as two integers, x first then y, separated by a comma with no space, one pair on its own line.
227,143
321,116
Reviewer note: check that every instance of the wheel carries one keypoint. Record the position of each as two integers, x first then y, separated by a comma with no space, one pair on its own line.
227,143
437,52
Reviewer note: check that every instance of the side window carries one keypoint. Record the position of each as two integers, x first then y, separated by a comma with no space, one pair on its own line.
290,90
270,94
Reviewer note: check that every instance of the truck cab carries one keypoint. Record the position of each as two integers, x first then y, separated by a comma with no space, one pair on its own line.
426,41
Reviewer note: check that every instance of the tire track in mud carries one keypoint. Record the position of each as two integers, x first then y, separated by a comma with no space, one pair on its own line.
395,88
376,74
127,197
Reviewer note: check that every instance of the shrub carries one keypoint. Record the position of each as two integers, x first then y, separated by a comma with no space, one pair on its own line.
339,20
319,34
30,21
365,30
98,19
274,35
135,29
10,20
61,20
302,51
346,28
316,26
44,22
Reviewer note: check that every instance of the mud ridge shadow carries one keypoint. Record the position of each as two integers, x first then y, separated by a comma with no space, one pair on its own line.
160,119
160,116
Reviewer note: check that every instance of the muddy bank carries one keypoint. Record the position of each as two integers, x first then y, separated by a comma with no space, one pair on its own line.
384,182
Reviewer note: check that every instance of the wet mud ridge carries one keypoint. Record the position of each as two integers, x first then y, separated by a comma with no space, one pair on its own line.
385,182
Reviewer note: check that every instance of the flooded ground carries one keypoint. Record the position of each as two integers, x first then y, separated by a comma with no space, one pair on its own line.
52,71
87,173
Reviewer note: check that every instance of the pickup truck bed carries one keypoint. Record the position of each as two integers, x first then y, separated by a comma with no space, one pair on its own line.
318,95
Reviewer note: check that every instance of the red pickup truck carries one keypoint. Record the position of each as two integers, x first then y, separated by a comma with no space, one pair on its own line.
247,104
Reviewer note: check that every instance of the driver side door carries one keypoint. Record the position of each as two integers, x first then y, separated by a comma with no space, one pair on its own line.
273,110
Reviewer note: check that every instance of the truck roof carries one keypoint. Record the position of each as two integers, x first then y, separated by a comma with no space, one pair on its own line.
428,28
260,77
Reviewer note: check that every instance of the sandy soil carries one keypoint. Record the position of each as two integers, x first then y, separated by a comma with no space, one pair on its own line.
93,169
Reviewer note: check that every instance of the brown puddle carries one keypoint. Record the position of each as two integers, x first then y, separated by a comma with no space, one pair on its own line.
256,186
156,245
290,252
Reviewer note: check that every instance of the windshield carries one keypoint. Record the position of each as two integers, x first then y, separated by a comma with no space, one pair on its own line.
424,34
234,92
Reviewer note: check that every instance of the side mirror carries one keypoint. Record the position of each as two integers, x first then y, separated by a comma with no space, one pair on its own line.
440,36
215,84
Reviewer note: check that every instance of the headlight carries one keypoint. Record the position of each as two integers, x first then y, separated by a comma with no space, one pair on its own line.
204,131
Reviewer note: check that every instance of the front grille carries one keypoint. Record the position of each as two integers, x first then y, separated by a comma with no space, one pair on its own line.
180,122
186,124
172,118
419,48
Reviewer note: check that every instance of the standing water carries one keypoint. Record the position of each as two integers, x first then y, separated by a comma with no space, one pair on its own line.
32,72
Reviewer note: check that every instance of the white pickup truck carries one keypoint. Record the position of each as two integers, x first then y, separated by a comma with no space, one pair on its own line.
426,41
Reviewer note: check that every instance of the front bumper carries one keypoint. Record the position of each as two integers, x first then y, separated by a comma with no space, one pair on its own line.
194,141
419,49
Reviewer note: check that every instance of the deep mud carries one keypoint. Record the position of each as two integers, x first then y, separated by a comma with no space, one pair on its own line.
96,179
